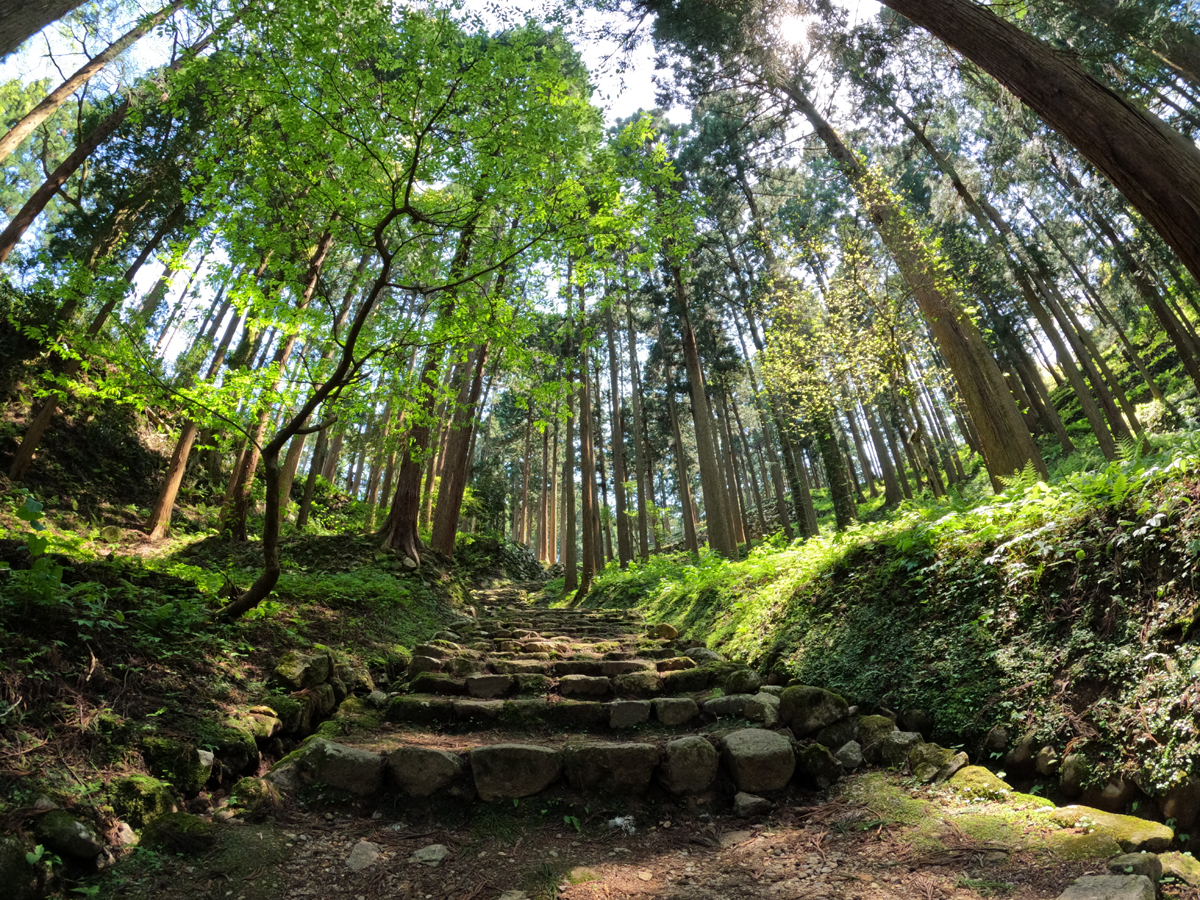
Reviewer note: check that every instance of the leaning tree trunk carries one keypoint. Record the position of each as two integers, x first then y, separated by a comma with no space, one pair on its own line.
457,464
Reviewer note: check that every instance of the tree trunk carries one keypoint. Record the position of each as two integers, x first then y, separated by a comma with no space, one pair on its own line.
639,456
570,555
457,465
587,466
690,537
624,545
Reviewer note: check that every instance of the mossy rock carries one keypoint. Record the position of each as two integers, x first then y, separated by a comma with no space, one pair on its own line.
354,713
296,715
688,681
1132,833
16,874
140,799
978,783
180,832
818,763
255,797
806,710
64,834
532,683
1078,846
177,761
871,729
742,681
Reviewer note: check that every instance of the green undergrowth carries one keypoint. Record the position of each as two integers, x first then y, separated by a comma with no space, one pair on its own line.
1064,608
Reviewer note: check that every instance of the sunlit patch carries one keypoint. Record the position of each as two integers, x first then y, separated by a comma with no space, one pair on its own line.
793,29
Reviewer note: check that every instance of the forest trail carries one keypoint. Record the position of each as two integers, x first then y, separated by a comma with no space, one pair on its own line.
874,835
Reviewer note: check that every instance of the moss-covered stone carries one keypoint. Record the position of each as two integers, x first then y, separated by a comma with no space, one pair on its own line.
437,683
532,683
179,832
140,799
742,681
1130,832
872,728
299,670
818,763
929,762
355,714
178,762
422,710
1181,867
66,835
296,715
688,681
637,684
976,782
1081,845
16,874
255,798
806,710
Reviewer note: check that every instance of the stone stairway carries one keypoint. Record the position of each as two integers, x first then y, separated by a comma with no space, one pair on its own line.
518,698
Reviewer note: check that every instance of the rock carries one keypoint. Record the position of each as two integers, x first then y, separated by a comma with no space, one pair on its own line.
729,705
663,632
377,699
1113,796
1182,867
747,805
686,681
140,800
532,683
478,710
577,713
762,708
675,710
742,681
806,710
689,765
180,832
319,761
759,760
1046,762
616,768
419,664
820,765
16,874
702,655
417,709
363,856
420,771
1020,758
300,670
67,836
255,797
849,755
839,733
1075,768
892,749
576,667
187,768
1143,863
511,771
1130,832
1109,887
916,720
489,686
675,664
996,741
355,676
929,762
431,856
514,895
463,666
871,729
1182,803
615,667
437,683
628,713
976,782
584,686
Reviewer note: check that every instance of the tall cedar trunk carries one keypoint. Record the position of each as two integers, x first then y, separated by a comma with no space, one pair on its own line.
716,502
233,517
844,510
864,460
159,520
457,465
543,486
690,537
895,450
1006,442
400,528
737,507
1154,166
603,510
553,553
570,555
1166,38
624,545
587,467
639,454
747,453
891,484
523,527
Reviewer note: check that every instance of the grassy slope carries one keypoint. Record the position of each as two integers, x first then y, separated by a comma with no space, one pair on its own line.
1060,608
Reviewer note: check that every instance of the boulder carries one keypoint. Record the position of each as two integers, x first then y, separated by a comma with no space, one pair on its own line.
584,686
759,760
421,771
687,681
702,655
1075,768
729,705
839,733
577,713
1046,762
689,765
1113,796
978,783
762,708
872,728
1182,867
819,764
675,710
139,799
319,761
742,681
675,664
67,836
419,710
891,749
181,763
487,687
16,874
637,684
478,710
301,670
1142,863
615,768
437,683
628,713
533,683
806,710
255,797
1130,833
1182,803
917,720
748,805
180,832
663,632
1109,887
1020,758
929,762
419,664
849,755
511,771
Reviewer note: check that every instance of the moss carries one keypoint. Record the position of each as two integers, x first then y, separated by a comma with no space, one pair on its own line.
140,799
255,797
976,782
1072,845
1130,832
176,761
180,832
533,684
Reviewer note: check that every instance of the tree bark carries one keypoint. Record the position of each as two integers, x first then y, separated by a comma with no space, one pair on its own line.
457,465
22,19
